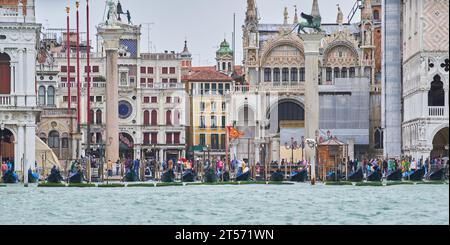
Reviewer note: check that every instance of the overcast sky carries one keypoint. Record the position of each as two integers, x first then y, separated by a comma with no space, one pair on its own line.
204,23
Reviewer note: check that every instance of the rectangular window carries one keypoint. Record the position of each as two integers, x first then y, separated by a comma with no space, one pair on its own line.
74,99
227,87
224,107
150,80
168,100
65,98
176,138
214,141
352,72
98,98
65,143
202,139
63,68
214,88
143,70
224,121
213,106
202,122
146,100
173,80
154,99
223,142
150,70
168,138
165,70
86,68
202,106
146,138
172,70
164,80
154,138
329,74
220,88
143,81
207,88
92,98
213,122
96,69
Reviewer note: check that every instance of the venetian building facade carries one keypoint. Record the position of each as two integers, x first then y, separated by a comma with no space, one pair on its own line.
19,36
152,101
270,107
425,78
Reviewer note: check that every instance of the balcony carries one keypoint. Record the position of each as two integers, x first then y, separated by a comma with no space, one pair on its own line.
436,111
7,100
162,85
299,88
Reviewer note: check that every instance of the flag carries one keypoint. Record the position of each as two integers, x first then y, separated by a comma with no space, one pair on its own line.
234,133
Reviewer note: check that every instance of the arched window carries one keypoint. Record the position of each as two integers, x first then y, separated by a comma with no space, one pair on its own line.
224,66
337,72
378,135
5,74
43,137
177,118
294,75
302,74
344,72
98,116
65,141
146,117
91,116
436,95
267,75
154,118
41,94
169,117
352,72
51,96
329,75
53,140
285,74
276,75
229,66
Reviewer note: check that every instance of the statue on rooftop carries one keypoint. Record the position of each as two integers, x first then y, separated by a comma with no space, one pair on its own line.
112,12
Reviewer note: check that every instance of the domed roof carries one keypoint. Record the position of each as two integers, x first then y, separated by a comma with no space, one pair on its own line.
224,48
185,53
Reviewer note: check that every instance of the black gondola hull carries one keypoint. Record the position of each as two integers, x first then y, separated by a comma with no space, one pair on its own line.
438,175
417,175
131,176
243,177
301,176
9,178
395,176
168,177
357,176
375,176
188,177
277,176
76,178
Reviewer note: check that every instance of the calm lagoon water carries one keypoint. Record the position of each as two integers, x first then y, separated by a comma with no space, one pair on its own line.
249,204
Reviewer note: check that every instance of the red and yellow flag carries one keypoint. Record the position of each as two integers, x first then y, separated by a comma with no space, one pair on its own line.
234,133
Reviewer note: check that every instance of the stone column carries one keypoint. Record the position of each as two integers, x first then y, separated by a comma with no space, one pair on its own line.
275,150
312,45
111,35
351,149
30,150
20,145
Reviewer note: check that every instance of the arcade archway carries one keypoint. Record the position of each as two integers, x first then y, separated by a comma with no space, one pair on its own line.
441,144
287,113
6,145
126,146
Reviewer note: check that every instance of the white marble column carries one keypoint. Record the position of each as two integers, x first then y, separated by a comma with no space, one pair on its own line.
30,150
20,147
111,35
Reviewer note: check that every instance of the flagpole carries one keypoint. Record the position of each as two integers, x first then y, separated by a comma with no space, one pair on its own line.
88,92
78,79
68,60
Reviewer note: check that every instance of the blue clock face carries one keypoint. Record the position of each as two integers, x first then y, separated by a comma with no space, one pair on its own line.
125,109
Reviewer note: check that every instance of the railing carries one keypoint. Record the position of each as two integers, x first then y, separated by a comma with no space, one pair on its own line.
6,100
162,85
436,111
300,87
57,112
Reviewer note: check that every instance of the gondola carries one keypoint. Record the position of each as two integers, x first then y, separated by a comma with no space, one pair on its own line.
76,178
332,177
277,176
168,176
10,177
32,177
357,176
417,175
55,176
437,175
226,176
395,176
210,176
375,176
301,176
131,176
243,176
188,176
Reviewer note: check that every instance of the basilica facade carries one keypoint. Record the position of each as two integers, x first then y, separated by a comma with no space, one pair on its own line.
270,107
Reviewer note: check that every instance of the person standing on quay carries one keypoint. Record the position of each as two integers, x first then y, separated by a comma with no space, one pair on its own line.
117,167
109,167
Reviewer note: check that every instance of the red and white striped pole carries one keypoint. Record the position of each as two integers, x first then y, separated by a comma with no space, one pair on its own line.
68,59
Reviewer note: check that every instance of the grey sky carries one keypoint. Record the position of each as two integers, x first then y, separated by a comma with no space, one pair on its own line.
204,23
